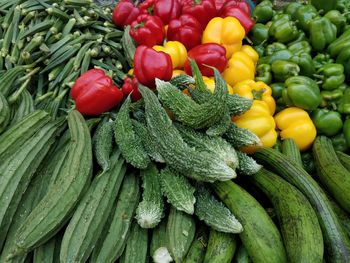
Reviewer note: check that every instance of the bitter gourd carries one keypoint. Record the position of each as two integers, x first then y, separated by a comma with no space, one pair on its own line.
219,128
159,244
182,81
247,165
241,137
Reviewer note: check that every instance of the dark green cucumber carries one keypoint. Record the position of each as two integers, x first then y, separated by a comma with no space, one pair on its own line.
291,150
57,205
241,255
342,216
260,235
300,229
344,159
333,175
337,244
198,247
136,248
91,214
159,244
221,247
46,252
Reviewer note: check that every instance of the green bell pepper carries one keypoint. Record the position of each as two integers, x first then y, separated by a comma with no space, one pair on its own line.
263,73
339,142
304,15
346,131
277,89
342,6
292,8
308,162
322,33
283,30
283,70
344,102
260,50
305,63
324,5
344,59
327,122
263,12
331,97
300,47
341,43
279,55
274,47
332,76
259,34
321,59
302,92
336,19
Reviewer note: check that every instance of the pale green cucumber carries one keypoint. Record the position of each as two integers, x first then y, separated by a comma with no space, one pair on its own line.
291,150
198,247
247,165
159,244
91,214
221,247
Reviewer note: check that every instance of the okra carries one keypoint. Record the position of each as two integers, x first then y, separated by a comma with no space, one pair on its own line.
16,18
8,17
86,62
56,46
31,46
78,2
42,26
7,79
68,27
7,41
79,57
57,13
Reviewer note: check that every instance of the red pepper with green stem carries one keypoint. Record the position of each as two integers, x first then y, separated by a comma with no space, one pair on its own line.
125,13
94,93
202,10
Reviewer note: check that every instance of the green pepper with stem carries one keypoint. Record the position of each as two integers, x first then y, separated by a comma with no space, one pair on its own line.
278,55
260,49
263,73
344,103
292,8
331,97
283,70
327,122
321,59
331,75
339,142
274,47
263,12
304,15
283,30
322,33
300,47
305,63
337,19
259,34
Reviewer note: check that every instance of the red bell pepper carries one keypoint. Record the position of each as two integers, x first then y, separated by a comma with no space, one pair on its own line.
209,54
219,4
125,13
94,93
186,29
150,64
147,30
243,5
131,85
167,10
202,10
243,17
146,7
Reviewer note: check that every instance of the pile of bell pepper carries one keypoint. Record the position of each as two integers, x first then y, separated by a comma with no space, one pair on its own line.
304,54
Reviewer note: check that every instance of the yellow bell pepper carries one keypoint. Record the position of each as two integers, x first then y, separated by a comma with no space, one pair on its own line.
131,71
177,72
256,90
177,52
210,82
227,32
239,67
258,120
296,123
250,51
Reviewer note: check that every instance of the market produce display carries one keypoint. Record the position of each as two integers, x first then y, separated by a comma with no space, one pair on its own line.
174,131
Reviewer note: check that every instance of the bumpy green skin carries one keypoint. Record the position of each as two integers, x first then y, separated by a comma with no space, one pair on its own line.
344,159
219,128
151,210
25,107
181,230
237,104
17,170
241,255
159,243
182,81
336,242
247,165
53,210
4,113
198,247
103,144
176,153
137,246
214,213
291,150
91,214
221,247
342,216
178,190
260,236
127,140
332,174
113,238
240,137
298,221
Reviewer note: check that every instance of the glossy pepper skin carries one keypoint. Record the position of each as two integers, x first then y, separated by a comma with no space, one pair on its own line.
167,10
302,92
344,59
259,34
278,55
300,47
131,86
219,4
295,123
202,10
332,76
185,29
324,5
250,51
263,12
224,31
239,67
147,30
177,52
344,103
304,15
125,13
150,64
243,17
331,97
292,8
321,59
263,73
243,5
339,142
283,30
210,54
258,119
322,33
327,122
336,19
305,63
274,47
283,70
94,93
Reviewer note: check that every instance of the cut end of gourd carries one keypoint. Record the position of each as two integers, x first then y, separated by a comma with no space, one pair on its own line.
148,219
162,255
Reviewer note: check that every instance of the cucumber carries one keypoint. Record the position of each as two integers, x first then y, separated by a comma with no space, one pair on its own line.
176,153
88,220
113,238
57,205
332,174
5,113
247,165
181,230
260,236
344,159
48,252
178,190
291,150
336,242
214,213
241,255
241,137
137,246
300,229
159,243
198,247
150,210
221,247
343,217
25,107
17,170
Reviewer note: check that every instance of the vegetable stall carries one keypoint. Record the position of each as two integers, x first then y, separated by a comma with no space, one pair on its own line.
174,131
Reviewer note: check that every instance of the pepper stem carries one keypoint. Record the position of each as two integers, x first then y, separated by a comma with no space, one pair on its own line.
139,25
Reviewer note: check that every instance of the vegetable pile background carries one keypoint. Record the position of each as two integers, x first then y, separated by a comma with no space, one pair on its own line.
174,131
